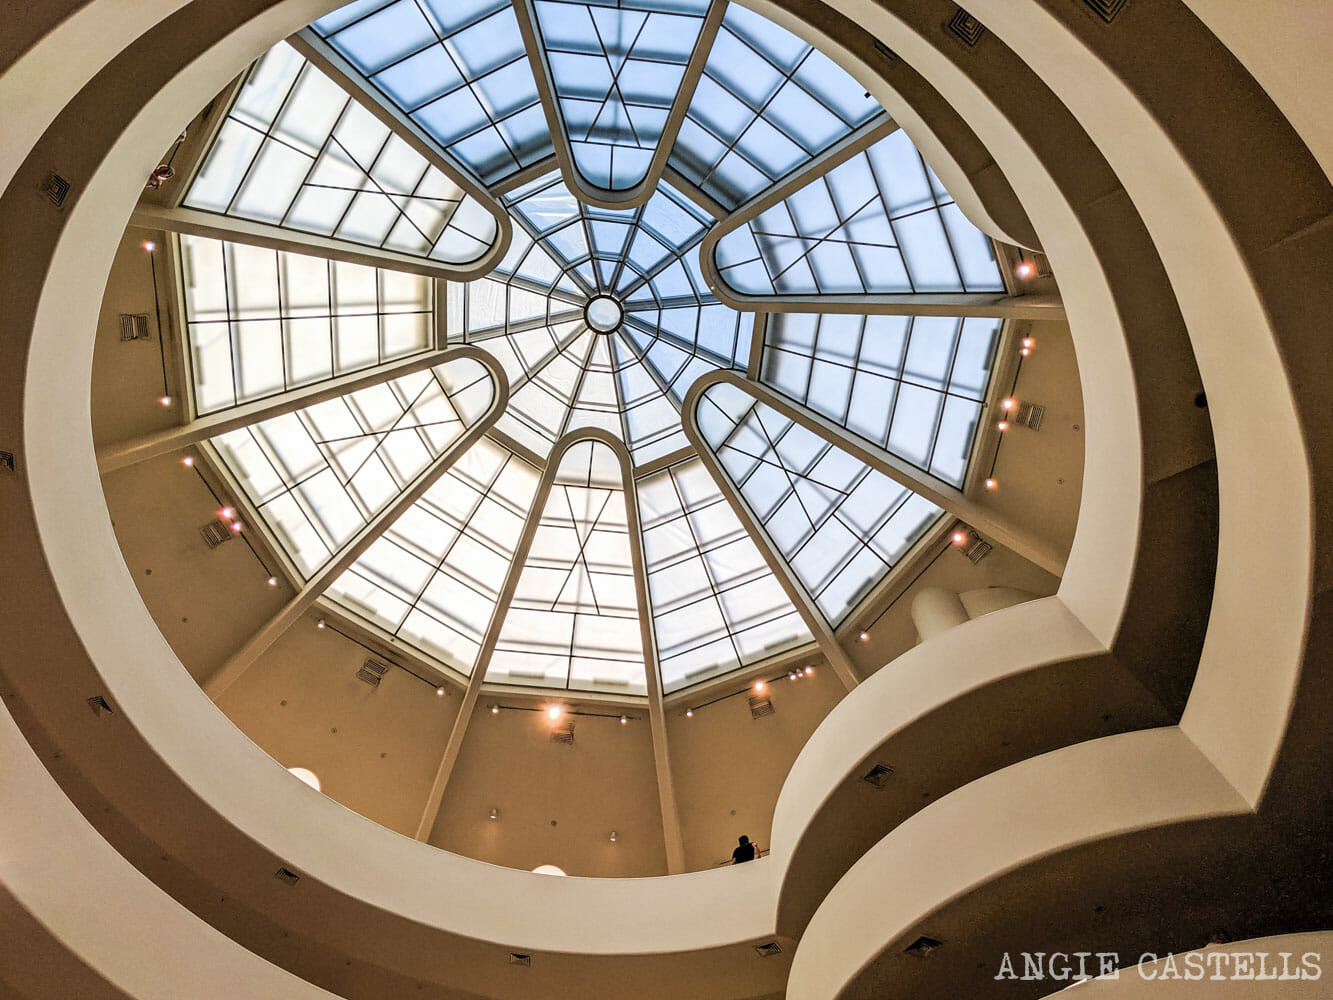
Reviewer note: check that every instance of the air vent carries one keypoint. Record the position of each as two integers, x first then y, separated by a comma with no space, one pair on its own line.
6,461
768,950
1029,415
976,549
372,672
1107,10
216,532
922,947
878,775
287,875
966,27
885,51
518,959
564,733
133,326
56,188
760,707
98,704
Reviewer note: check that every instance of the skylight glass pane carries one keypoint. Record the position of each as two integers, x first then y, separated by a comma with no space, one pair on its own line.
911,385
574,619
871,225
767,103
458,70
840,525
260,322
318,475
432,580
616,71
716,606
296,152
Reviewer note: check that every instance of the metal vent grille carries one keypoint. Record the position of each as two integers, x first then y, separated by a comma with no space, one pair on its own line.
760,706
515,958
768,950
976,549
215,533
56,188
1107,10
6,461
922,946
1029,415
564,734
878,775
133,326
372,672
287,875
966,27
98,704
885,51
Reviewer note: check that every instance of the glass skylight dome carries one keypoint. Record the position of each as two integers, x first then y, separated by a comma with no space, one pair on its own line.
611,205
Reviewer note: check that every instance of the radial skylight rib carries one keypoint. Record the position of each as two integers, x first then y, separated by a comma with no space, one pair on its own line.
912,385
295,151
458,70
616,71
317,476
840,525
539,408
432,580
767,103
716,606
879,223
574,619
260,322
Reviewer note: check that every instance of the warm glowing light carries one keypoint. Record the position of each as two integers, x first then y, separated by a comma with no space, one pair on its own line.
227,513
1028,342
1008,404
809,671
495,709
613,836
959,537
272,581
554,712
1003,425
236,526
1027,351
792,675
164,400
149,245
624,720
439,692
689,713
320,623
548,870
306,775
864,636
991,484
1025,269
188,461
759,685
494,814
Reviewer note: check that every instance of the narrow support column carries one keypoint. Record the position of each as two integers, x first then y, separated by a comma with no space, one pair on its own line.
241,661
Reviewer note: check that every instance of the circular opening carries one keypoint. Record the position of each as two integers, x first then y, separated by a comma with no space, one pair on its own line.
603,313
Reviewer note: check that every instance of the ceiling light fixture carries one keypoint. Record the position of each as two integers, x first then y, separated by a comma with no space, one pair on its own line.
439,692
495,709
164,400
864,636
188,461
494,814
554,712
624,720
990,484
809,670
320,624
272,581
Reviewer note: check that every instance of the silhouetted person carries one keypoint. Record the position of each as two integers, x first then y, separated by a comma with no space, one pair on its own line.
745,852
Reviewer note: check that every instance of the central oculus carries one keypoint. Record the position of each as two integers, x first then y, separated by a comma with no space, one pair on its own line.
603,313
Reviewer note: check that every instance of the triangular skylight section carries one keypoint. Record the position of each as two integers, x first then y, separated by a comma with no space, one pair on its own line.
914,386
574,619
458,70
767,103
879,223
296,152
615,72
716,606
318,475
839,524
433,579
260,322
